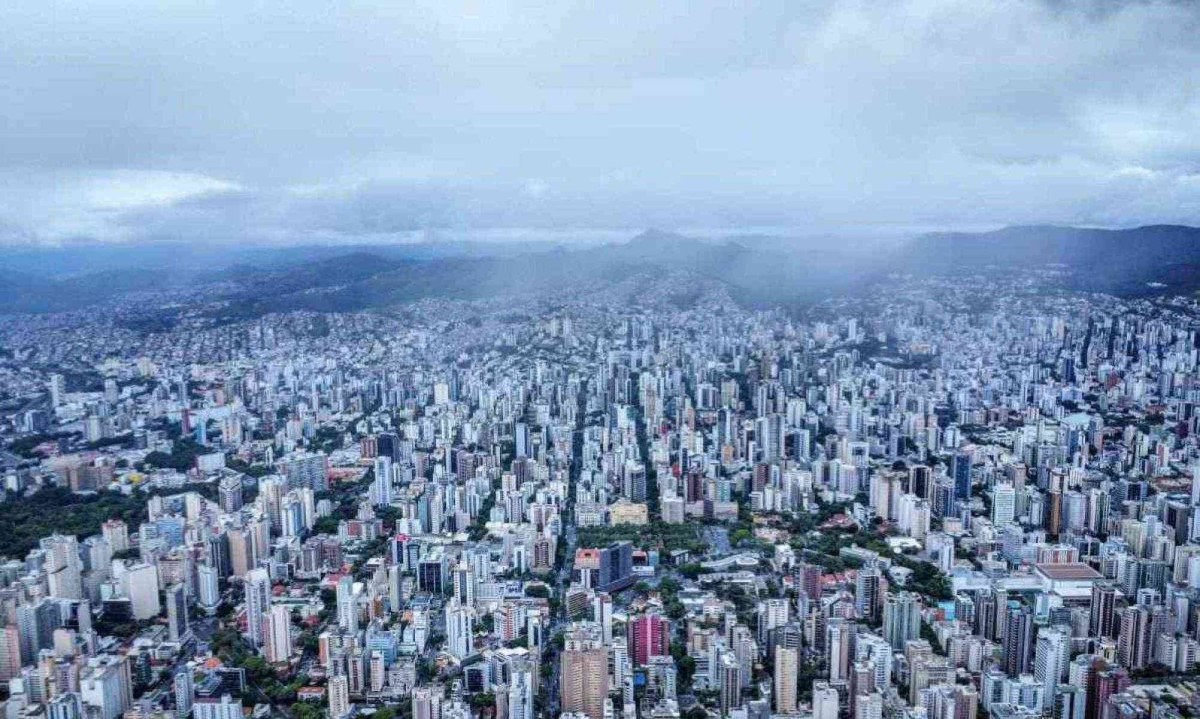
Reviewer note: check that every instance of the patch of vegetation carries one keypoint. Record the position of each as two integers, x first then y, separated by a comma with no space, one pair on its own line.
25,520
660,535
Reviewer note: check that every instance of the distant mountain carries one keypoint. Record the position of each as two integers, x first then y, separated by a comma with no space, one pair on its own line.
21,292
240,283
1155,258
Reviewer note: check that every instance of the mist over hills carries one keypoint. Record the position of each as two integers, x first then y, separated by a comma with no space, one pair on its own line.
758,271
1141,260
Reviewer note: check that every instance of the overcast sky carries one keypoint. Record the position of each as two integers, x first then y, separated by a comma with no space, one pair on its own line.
313,121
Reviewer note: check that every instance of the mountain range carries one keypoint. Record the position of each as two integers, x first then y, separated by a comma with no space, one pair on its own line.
759,271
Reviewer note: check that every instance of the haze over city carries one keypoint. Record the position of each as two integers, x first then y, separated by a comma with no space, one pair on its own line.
655,360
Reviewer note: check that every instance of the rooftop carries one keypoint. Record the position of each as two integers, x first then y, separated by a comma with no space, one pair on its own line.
1070,571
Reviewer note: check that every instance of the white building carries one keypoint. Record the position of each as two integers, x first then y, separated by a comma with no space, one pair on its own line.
140,584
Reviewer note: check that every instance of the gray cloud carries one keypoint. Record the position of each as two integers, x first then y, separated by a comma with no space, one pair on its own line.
236,121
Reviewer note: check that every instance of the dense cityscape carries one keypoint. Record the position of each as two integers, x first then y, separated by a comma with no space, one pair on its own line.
917,502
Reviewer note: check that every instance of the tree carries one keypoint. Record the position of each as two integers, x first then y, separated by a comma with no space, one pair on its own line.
540,591
307,710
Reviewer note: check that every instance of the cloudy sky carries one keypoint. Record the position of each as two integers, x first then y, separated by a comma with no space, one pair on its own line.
315,121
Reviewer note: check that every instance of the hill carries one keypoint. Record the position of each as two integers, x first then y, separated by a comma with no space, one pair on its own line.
1140,260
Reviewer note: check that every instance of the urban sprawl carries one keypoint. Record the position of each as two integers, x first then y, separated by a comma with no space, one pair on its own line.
938,499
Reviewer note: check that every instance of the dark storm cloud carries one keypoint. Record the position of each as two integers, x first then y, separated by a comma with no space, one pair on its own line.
227,121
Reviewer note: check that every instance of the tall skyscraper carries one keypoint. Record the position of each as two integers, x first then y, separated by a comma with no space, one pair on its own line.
427,702
772,613
649,635
1050,662
1004,504
459,629
584,671
58,390
277,629
787,667
381,487
347,604
825,701
729,682
141,586
1104,684
1195,485
184,687
1017,642
258,601
867,585
178,626
901,618
208,586
463,577
229,493
339,697
520,691
1140,625
1104,598
10,652
961,471
870,706
64,570
837,645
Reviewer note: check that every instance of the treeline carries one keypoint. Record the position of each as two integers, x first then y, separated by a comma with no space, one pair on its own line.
655,535
25,520
58,510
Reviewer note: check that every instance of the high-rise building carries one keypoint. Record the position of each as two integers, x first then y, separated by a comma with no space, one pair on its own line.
787,669
141,586
229,493
1104,684
1050,662
64,570
649,635
184,687
10,652
1104,598
347,604
381,486
178,626
520,691
1004,504
901,618
459,629
36,623
58,390
602,610
1140,625
771,613
825,701
464,584
305,470
729,679
339,697
1017,642
961,471
225,706
1070,702
258,602
837,647
277,629
584,671
106,685
208,586
870,706
867,585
